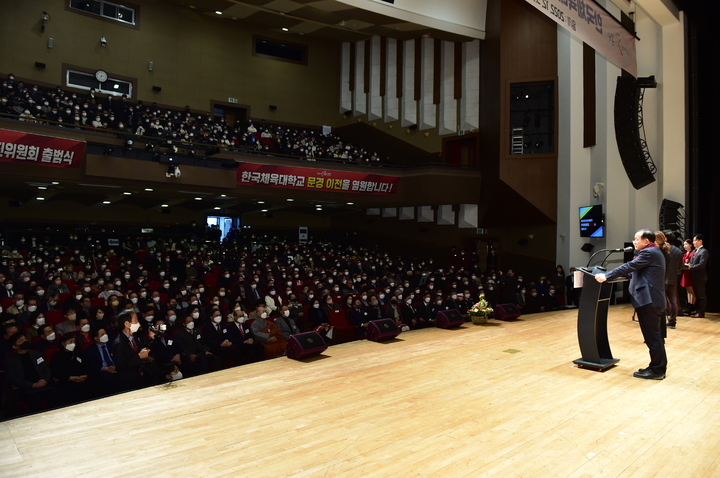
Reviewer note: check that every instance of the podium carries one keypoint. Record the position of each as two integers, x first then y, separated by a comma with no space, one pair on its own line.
592,320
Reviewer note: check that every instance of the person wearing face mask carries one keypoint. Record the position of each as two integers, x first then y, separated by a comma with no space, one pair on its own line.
69,324
69,371
104,379
533,302
217,337
240,334
266,332
409,313
129,352
195,353
285,323
491,294
273,301
28,370
425,310
465,303
37,320
520,299
550,301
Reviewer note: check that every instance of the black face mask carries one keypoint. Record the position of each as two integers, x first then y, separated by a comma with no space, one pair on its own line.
25,345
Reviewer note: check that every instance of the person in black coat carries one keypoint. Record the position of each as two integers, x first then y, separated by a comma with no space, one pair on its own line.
28,370
359,317
240,334
69,370
194,351
129,353
217,337
408,314
425,310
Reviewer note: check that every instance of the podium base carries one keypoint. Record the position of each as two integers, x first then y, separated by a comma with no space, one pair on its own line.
604,363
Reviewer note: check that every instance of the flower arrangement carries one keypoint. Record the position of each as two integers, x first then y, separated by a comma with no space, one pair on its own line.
479,312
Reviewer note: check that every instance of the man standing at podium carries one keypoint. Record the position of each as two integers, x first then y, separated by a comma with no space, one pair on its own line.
647,294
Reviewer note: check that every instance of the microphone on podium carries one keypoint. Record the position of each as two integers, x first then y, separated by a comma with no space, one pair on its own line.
609,252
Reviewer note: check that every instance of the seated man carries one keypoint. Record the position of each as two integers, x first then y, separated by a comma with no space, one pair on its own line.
359,317
69,371
195,352
104,379
130,354
267,333
241,335
28,370
285,323
216,335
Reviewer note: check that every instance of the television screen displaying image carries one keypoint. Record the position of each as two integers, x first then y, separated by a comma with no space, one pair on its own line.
591,221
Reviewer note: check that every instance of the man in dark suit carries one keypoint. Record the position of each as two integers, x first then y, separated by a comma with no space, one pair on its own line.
101,366
241,335
647,294
129,353
698,273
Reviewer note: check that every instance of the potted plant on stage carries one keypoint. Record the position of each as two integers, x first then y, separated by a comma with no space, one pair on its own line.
480,312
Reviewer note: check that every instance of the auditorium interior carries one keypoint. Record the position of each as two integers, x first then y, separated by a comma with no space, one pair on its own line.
310,164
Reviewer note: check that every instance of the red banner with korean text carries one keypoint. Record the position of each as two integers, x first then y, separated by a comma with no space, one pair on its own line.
19,147
317,179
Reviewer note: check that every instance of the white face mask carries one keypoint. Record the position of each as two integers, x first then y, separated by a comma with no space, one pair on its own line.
240,320
317,306
217,319
201,290
149,318
70,347
190,326
263,315
85,328
196,315
104,339
40,321
286,313
134,300
427,300
40,292
177,376
221,294
50,337
156,299
134,328
32,308
439,302
173,318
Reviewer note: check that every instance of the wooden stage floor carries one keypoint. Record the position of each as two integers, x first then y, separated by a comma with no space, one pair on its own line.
502,399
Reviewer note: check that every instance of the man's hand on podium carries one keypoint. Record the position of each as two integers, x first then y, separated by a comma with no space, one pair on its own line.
600,278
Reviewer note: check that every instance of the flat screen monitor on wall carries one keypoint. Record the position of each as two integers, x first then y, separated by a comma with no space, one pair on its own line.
592,223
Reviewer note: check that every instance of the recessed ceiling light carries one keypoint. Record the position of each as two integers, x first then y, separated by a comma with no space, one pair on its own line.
217,208
127,193
218,12
42,187
351,204
198,199
164,205
55,183
192,6
106,202
261,202
40,199
223,195
148,189
263,210
289,199
285,29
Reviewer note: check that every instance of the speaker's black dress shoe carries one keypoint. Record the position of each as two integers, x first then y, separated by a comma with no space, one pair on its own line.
648,374
671,325
698,316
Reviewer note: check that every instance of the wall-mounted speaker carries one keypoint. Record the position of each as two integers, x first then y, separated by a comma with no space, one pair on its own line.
272,107
39,64
157,88
587,247
627,133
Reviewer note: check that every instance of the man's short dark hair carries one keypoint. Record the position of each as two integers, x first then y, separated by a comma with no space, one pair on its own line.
14,338
647,234
700,237
125,315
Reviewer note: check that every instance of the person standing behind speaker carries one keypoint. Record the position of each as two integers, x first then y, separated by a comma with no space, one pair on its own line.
673,261
647,294
686,280
698,273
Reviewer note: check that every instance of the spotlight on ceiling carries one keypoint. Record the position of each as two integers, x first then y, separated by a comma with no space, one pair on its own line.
108,151
128,144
